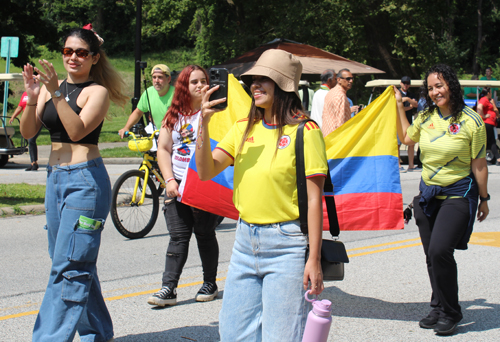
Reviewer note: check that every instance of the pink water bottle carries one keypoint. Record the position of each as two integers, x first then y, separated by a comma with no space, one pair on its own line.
319,320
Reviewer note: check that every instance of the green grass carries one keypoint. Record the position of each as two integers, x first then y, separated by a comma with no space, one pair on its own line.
19,194
119,152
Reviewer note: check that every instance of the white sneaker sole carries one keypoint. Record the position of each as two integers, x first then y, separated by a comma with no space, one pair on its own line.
206,298
161,302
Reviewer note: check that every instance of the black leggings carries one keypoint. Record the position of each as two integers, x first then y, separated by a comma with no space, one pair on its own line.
491,142
33,148
440,234
182,221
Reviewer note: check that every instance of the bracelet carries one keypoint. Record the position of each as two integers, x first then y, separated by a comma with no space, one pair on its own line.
169,179
31,105
484,199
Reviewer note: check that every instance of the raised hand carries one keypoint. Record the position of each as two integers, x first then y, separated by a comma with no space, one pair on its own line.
206,105
31,83
399,97
48,76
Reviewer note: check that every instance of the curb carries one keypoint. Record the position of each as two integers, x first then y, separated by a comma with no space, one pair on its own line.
35,209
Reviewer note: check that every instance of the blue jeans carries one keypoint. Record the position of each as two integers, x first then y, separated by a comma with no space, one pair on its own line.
73,300
264,295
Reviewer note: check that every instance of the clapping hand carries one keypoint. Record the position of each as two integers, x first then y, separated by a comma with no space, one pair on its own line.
48,76
31,82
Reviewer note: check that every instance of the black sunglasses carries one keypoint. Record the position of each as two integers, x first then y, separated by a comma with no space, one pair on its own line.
347,78
82,53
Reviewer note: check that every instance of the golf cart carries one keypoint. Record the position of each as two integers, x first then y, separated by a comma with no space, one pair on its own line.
479,84
418,83
7,147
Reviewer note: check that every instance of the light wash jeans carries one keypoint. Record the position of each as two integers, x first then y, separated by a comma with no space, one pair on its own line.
264,295
73,300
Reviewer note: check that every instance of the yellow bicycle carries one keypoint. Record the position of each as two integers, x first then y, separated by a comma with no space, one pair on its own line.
135,195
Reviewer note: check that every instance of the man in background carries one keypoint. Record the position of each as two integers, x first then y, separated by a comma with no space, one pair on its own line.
306,95
159,95
337,109
328,81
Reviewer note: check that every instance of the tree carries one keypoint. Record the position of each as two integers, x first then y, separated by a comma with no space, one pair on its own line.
21,18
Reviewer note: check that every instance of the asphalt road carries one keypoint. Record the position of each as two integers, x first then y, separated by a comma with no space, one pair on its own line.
384,294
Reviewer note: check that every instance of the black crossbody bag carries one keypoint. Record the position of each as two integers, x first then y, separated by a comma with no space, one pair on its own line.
333,253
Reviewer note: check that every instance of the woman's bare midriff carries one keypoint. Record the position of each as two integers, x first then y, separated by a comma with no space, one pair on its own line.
68,154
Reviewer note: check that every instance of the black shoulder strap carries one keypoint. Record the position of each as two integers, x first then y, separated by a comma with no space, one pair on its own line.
302,187
301,177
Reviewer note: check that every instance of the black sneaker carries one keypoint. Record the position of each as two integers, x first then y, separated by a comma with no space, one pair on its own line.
165,296
428,322
445,326
207,292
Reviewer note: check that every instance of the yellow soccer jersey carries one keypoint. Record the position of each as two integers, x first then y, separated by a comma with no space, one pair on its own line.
448,149
265,183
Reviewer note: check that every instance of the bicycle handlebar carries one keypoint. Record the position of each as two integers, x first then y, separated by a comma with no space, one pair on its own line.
126,134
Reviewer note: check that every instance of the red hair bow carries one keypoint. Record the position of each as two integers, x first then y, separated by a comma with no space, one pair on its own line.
89,27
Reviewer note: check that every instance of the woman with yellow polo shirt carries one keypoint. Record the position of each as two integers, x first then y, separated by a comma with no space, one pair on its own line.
452,138
269,272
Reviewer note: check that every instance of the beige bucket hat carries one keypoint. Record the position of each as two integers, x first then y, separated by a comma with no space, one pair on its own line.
282,67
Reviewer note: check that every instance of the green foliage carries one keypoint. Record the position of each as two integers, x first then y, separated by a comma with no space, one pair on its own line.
397,36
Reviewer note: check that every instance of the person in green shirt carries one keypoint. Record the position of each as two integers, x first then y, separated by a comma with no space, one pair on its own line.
160,97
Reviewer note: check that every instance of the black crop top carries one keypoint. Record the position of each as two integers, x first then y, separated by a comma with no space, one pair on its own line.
53,123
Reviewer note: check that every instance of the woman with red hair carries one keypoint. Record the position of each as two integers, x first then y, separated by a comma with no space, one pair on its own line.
176,146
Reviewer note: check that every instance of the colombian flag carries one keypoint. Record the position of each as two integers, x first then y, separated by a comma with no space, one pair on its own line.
216,195
362,155
363,159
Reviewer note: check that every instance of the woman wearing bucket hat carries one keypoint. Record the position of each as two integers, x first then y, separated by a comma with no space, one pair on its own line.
268,274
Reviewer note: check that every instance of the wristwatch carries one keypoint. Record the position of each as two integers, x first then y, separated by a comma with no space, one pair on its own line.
484,199
57,93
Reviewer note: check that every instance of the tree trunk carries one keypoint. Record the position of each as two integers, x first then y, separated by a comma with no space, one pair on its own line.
477,50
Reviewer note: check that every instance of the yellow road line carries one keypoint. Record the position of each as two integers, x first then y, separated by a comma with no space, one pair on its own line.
384,250
383,244
2,318
135,294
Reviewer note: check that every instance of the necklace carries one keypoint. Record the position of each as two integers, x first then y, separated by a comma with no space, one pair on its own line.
67,95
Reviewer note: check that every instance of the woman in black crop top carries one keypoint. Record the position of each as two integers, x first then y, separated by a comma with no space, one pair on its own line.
78,189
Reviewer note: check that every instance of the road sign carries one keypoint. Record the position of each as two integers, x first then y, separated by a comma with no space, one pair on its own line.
10,47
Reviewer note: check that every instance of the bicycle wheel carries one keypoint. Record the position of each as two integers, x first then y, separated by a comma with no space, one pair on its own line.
132,220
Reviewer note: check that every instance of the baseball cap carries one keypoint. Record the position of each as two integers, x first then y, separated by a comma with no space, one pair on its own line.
406,79
162,68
